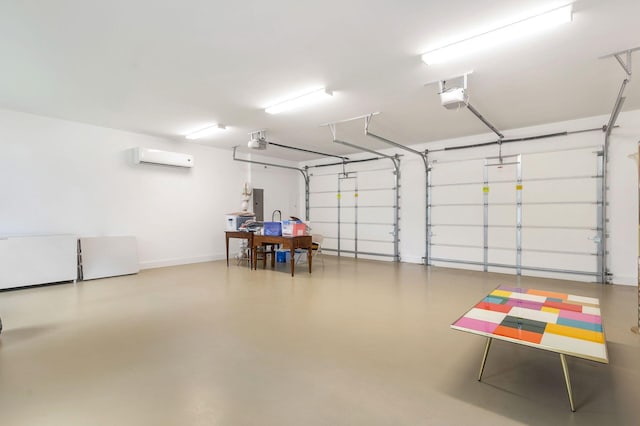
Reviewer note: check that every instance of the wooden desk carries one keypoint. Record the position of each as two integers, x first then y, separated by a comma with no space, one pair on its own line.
557,322
290,242
243,235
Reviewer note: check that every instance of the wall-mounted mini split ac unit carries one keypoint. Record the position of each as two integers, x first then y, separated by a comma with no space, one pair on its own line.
155,156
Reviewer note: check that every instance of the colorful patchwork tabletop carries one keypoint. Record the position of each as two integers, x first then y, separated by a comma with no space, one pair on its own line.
557,322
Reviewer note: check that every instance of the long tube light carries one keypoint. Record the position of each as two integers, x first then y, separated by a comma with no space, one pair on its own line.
298,101
499,35
206,131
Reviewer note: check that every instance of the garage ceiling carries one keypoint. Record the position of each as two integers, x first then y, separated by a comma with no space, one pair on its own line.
167,68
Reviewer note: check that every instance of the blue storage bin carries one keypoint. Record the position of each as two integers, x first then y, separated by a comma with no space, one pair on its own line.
282,256
273,229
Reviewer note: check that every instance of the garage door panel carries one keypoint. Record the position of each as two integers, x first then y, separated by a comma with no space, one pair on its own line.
322,215
502,237
456,215
325,229
457,194
569,215
348,201
347,215
458,253
502,193
347,244
502,215
376,247
559,240
457,172
457,235
323,200
322,182
502,256
560,191
581,162
565,261
375,232
375,179
376,198
376,215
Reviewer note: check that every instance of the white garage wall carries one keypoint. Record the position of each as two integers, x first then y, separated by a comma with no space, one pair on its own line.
280,186
623,181
65,177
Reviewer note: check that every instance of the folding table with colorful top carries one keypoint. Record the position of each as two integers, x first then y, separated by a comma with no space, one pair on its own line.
563,323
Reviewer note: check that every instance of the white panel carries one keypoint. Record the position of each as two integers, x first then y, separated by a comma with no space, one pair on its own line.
460,215
584,189
323,199
583,299
485,315
376,198
375,215
560,239
376,247
457,253
533,314
375,232
108,257
458,172
37,260
502,215
560,261
502,192
457,194
590,310
559,164
560,215
375,179
578,347
457,235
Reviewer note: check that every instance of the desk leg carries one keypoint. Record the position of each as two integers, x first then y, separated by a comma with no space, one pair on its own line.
227,243
254,257
309,257
565,370
484,357
273,257
292,258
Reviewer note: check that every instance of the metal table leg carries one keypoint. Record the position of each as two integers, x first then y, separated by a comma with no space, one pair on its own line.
565,370
484,357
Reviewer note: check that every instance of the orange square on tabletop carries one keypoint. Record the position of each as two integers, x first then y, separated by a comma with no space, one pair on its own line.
299,229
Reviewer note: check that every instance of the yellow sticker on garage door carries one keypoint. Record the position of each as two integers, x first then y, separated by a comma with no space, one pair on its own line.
518,187
485,189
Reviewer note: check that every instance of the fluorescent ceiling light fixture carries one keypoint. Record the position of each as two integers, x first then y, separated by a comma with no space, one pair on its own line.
298,101
206,131
500,35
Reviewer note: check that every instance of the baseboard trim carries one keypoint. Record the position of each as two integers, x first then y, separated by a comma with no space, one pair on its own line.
150,264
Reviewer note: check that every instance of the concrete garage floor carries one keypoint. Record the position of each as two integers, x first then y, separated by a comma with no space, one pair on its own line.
355,343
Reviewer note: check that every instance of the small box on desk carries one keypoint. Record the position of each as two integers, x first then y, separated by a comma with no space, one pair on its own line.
235,221
299,229
273,229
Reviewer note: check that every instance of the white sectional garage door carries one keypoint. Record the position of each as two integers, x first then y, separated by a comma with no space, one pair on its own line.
535,214
355,211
